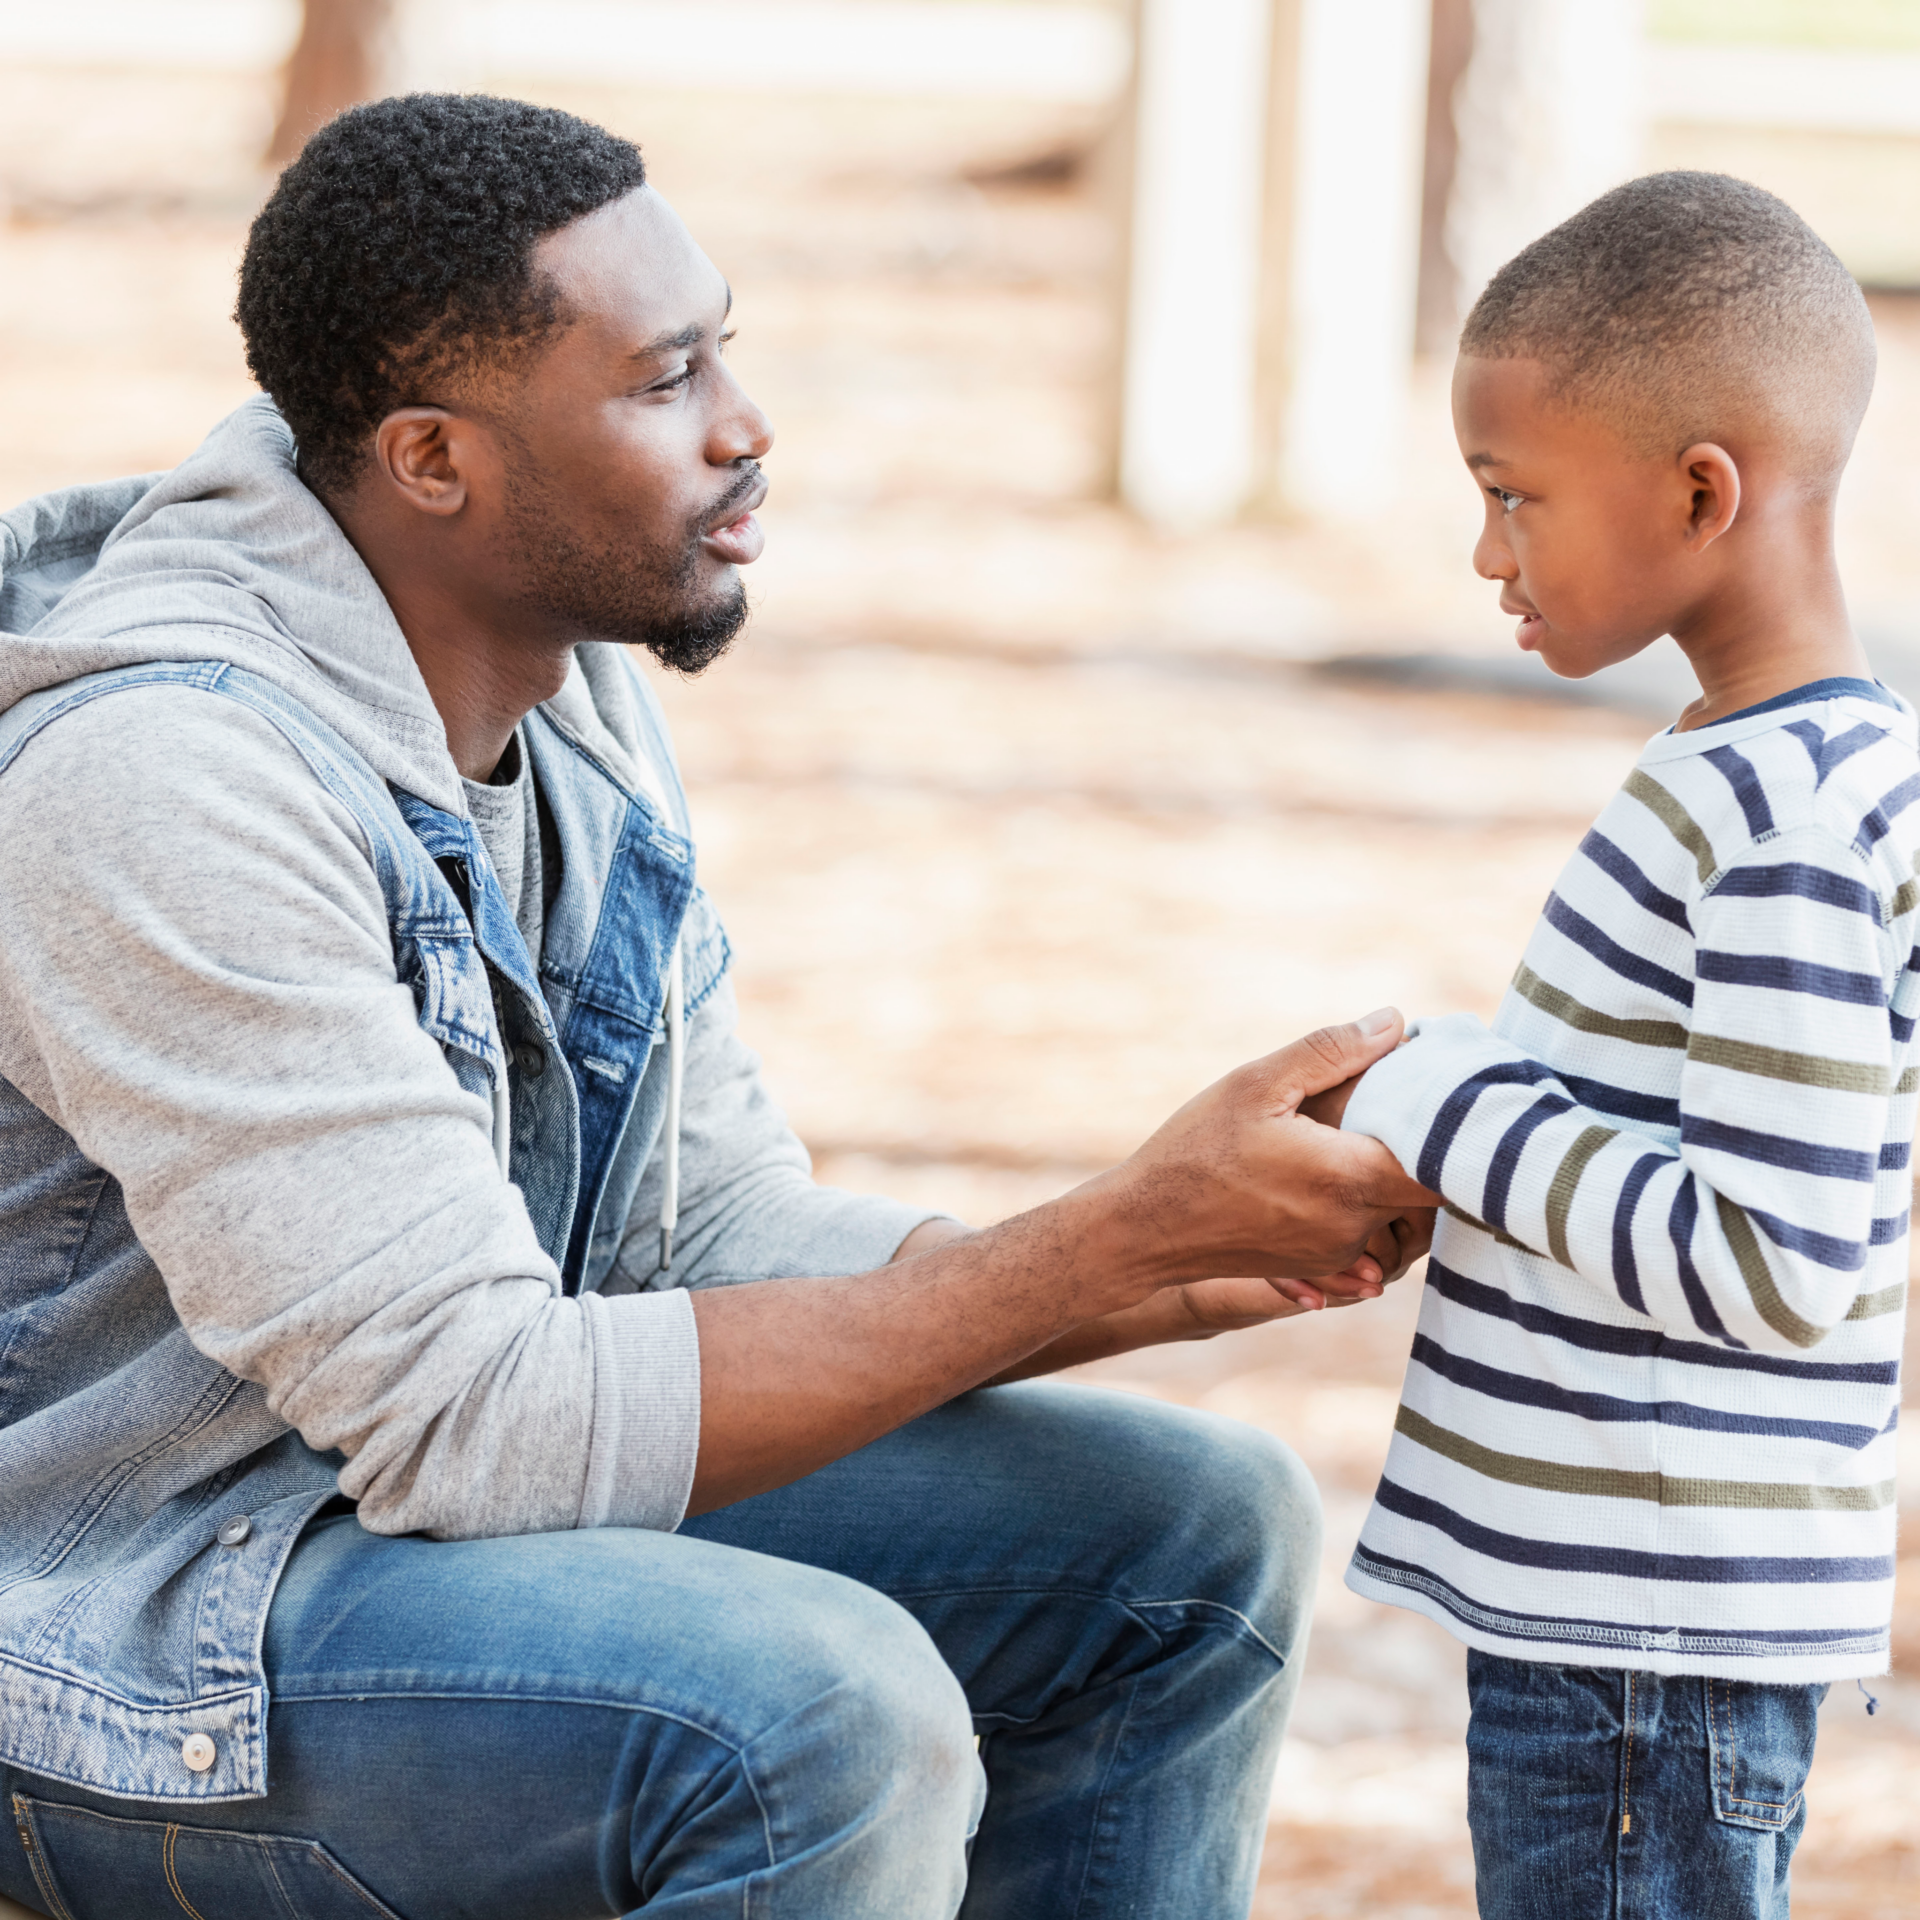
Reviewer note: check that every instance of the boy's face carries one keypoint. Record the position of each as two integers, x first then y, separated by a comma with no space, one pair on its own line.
1590,541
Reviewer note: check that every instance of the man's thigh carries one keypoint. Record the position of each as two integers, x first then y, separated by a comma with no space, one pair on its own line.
555,1725
1037,1530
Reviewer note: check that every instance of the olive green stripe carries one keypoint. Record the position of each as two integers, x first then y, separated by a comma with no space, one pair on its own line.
1759,1278
1566,1179
1908,1081
1904,896
1564,1007
1480,1226
1675,818
1775,1063
1870,1306
1616,1483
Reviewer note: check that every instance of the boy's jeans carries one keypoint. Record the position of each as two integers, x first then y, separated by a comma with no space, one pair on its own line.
769,1715
1601,1794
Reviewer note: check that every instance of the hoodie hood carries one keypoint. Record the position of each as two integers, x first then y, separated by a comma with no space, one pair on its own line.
230,557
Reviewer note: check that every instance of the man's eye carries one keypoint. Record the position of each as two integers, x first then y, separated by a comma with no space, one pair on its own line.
677,379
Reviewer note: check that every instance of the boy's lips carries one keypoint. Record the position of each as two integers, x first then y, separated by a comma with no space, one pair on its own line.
1531,626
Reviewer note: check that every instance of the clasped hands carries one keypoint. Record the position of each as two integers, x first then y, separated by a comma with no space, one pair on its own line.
1254,1179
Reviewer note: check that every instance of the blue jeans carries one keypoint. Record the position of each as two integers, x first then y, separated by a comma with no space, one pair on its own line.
772,1712
1601,1794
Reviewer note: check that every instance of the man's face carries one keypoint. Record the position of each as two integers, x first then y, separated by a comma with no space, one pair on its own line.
630,452
1588,539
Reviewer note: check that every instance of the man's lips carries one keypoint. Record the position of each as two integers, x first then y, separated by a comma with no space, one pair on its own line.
737,539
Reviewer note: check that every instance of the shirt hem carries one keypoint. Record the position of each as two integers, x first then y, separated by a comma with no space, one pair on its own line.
1515,1637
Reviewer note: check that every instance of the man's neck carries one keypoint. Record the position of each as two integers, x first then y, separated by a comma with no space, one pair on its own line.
1776,621
486,667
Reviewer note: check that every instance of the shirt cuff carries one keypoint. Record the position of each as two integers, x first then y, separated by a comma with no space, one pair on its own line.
646,1410
1399,1098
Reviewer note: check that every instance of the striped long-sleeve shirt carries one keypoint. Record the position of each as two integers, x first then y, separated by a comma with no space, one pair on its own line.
1649,1417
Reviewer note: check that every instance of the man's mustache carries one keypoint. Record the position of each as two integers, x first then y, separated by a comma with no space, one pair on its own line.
717,515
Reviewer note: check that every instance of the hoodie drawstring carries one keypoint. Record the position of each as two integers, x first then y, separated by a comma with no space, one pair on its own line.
676,1011
502,1122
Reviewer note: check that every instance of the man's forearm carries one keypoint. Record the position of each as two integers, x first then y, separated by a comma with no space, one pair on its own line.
796,1373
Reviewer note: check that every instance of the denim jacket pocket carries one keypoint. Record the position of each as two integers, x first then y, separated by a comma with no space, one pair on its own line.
1760,1750
97,1866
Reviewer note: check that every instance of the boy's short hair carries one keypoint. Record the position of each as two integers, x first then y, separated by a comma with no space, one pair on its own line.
1685,307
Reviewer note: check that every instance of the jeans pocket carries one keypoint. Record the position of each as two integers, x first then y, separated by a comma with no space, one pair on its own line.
97,1866
1760,1750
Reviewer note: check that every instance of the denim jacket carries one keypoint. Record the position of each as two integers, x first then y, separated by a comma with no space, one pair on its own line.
149,1493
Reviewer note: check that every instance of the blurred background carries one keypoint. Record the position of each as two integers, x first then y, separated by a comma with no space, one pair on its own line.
1120,700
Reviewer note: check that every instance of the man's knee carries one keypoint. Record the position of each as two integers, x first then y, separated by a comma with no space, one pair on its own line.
874,1727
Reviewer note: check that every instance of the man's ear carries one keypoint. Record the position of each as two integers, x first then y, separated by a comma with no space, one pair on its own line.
1713,486
425,454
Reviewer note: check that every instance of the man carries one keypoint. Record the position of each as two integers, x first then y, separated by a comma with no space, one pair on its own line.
378,1165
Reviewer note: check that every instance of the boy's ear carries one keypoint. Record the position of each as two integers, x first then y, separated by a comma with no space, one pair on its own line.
1713,484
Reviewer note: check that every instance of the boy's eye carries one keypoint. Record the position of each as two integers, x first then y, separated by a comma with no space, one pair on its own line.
1508,501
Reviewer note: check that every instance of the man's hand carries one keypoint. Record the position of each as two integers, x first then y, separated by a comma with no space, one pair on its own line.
794,1373
1242,1181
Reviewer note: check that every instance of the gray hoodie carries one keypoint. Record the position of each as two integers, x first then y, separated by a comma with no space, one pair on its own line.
197,985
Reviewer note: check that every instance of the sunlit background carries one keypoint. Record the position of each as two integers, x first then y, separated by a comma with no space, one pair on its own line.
1120,700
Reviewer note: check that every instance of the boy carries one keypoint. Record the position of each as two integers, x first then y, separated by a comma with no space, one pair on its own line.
1644,1460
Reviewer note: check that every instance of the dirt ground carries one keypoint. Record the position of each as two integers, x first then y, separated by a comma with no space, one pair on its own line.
1025,823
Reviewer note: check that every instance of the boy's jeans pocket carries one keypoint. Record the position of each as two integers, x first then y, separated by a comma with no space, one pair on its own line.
1760,1749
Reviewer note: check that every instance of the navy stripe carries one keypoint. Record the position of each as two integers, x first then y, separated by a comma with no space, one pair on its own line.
1680,1224
1795,877
1523,1390
1790,976
1648,1343
1459,1103
1506,1156
1879,823
1838,686
1626,1274
1696,1569
1834,752
1776,1150
1619,868
1825,1249
1629,966
1899,1027
1889,1228
1623,1102
1746,787
1895,1156
1548,1626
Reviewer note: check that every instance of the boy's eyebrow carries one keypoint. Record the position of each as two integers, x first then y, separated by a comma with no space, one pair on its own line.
1485,460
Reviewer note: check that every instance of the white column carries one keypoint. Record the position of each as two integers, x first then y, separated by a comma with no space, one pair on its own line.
1188,383
1362,78
1550,113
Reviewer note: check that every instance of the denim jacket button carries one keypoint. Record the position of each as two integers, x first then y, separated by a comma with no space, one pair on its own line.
234,1532
197,1751
530,1059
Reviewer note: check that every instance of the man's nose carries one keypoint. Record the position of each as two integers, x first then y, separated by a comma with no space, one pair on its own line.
740,430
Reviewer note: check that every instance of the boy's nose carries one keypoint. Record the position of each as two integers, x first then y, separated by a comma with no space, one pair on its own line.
1493,559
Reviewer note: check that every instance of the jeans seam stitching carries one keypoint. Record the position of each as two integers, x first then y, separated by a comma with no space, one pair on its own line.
173,1879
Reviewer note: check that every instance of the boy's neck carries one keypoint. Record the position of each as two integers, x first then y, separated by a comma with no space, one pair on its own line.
1777,620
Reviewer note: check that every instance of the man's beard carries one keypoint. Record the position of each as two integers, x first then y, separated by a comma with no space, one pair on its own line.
618,593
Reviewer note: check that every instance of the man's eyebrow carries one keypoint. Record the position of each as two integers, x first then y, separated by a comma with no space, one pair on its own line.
687,336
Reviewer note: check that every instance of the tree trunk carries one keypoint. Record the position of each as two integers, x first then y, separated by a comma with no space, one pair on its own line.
341,58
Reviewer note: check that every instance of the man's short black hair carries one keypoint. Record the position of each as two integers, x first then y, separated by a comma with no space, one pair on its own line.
1683,306
397,251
